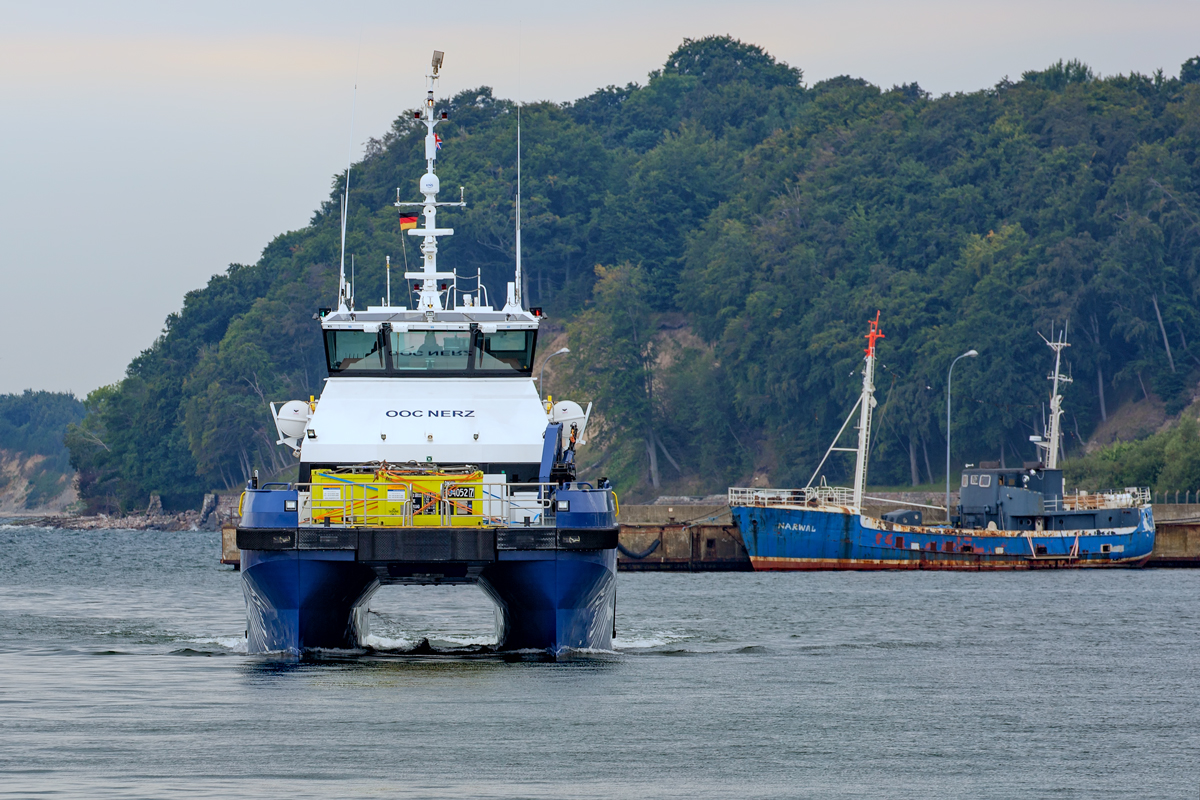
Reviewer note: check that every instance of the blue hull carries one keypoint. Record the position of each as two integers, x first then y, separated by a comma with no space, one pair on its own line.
548,601
553,601
303,600
793,538
551,598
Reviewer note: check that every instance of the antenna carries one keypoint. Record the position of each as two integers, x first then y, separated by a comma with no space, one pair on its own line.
518,275
404,249
517,288
346,202
1054,445
389,280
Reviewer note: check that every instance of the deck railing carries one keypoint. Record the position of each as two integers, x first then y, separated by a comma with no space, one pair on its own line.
812,496
467,504
1129,497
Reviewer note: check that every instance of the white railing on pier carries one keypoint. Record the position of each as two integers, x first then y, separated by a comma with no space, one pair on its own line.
812,496
1129,497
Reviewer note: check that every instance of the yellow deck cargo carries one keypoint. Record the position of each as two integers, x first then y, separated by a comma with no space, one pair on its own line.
394,498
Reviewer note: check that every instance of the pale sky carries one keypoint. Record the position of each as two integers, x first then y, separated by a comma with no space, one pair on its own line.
144,146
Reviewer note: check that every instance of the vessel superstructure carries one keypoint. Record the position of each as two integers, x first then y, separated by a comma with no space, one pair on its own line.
1007,518
430,458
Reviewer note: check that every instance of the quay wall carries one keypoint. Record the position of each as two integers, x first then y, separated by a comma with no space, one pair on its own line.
682,538
1176,535
704,538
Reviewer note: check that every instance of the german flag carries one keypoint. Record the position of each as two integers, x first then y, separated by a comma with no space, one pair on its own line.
408,221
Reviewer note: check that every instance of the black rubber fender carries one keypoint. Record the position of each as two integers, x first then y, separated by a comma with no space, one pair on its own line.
630,554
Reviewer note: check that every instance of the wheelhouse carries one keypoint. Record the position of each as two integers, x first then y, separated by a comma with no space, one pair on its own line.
440,350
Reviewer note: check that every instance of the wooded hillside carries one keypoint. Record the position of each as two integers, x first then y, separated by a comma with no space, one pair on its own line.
715,241
34,463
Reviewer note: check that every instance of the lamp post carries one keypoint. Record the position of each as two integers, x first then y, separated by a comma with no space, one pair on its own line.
561,351
949,376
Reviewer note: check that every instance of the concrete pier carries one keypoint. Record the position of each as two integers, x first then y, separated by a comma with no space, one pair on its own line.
682,538
1176,535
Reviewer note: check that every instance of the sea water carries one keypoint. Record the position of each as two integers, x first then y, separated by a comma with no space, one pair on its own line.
123,673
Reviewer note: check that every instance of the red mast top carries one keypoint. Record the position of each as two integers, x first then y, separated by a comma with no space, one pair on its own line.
872,335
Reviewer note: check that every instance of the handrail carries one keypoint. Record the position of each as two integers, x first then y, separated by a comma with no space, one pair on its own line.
1130,497
452,503
903,503
820,496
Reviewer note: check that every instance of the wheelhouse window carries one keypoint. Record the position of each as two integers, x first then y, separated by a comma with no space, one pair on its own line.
354,351
431,351
505,351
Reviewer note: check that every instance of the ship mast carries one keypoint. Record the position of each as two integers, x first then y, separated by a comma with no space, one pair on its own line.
865,406
1054,445
430,299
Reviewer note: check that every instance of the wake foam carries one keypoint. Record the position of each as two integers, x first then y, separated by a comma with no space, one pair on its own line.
234,644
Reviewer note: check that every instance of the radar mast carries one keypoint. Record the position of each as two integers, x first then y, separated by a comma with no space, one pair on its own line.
430,299
1054,445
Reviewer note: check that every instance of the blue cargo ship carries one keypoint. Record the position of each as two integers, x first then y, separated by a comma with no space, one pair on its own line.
1007,518
430,458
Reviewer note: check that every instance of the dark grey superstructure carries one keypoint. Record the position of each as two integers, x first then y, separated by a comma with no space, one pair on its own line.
1031,499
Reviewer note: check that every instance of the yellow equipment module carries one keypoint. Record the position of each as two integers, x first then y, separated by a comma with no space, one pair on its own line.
397,498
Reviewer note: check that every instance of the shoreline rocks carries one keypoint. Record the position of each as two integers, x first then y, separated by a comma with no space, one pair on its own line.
183,521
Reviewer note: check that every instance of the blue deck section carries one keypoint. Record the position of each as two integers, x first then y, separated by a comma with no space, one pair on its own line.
786,538
585,509
267,508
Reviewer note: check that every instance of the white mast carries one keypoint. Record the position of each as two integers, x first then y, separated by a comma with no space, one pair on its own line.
430,299
866,406
342,289
1054,445
517,287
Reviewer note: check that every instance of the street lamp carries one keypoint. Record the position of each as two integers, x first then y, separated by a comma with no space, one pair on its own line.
949,375
542,374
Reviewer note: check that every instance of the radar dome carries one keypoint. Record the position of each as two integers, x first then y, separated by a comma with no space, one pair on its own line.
429,184
292,419
567,412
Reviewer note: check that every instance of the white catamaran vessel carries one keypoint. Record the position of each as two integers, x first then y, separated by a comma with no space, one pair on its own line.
430,458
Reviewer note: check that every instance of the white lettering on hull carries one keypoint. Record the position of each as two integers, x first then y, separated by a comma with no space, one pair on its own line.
443,413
